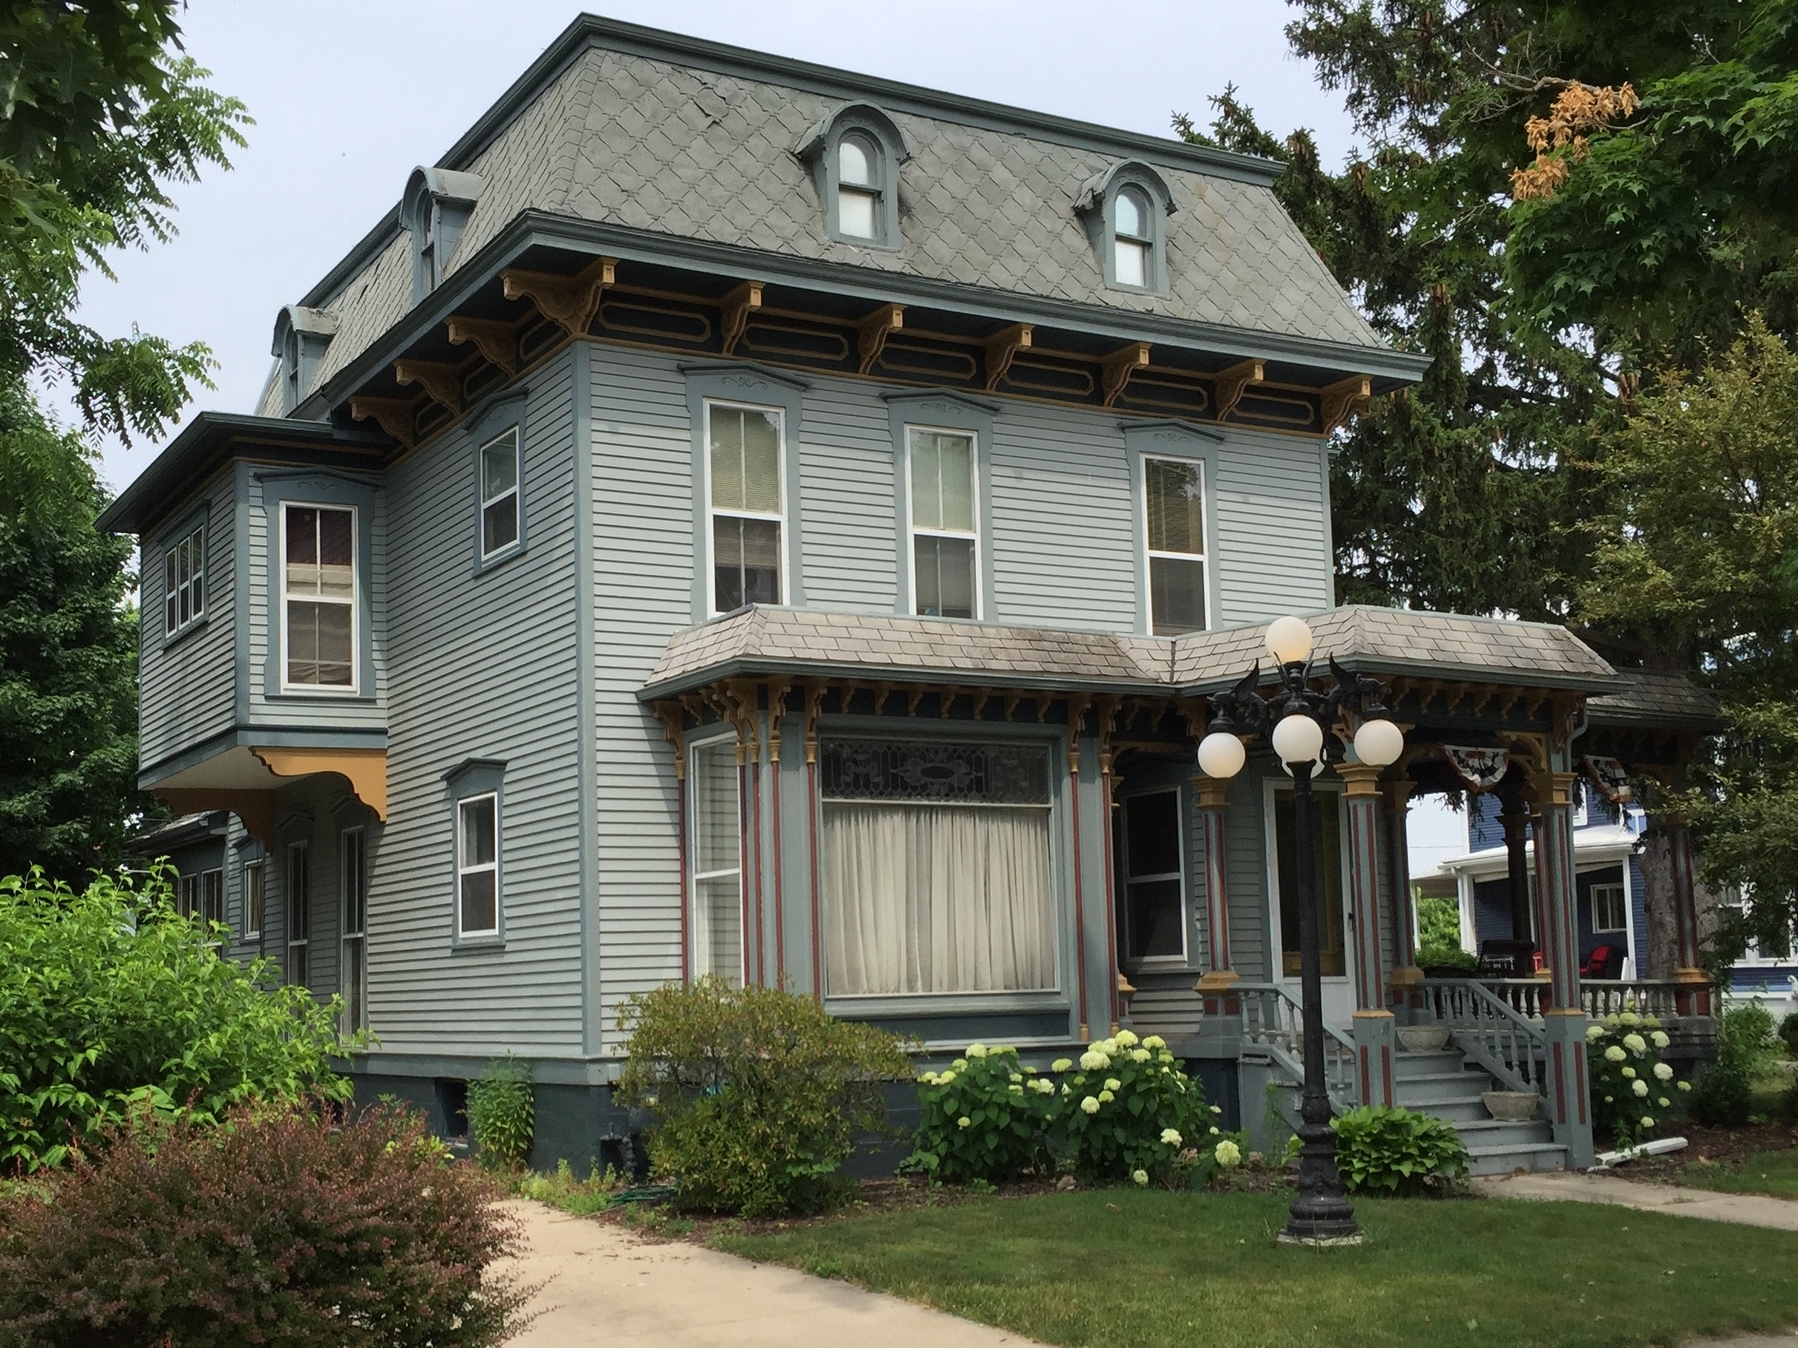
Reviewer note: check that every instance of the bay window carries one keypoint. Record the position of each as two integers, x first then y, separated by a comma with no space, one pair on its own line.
318,582
746,505
937,867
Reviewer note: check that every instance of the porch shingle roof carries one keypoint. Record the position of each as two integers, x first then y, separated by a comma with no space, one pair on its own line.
1390,641
1659,698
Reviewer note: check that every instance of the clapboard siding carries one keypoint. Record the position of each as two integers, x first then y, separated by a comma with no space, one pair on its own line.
1273,528
1245,855
186,687
848,523
484,666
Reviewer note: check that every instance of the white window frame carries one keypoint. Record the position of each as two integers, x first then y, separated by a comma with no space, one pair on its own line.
254,868
1149,554
480,933
711,514
695,875
913,532
1146,241
172,557
353,877
354,687
1160,877
515,491
298,894
1622,898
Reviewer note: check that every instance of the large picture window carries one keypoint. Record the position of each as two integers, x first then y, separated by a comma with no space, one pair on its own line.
1174,497
318,546
477,865
945,539
937,868
184,582
1154,878
715,818
1326,878
747,504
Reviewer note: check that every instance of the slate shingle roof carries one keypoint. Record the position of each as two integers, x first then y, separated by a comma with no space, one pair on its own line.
1653,697
671,146
1428,645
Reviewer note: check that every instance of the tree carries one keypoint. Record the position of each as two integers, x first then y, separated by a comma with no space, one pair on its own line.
68,655
99,113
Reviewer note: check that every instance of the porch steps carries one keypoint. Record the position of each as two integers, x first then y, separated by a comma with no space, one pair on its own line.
1446,1086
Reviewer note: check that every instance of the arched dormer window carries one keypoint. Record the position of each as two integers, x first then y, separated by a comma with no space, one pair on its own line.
434,212
1125,210
301,336
855,155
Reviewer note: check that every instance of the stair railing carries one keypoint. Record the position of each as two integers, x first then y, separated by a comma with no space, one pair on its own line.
1272,1020
1489,1030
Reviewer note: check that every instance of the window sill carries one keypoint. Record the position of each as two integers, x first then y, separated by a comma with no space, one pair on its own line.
494,561
477,945
320,695
181,634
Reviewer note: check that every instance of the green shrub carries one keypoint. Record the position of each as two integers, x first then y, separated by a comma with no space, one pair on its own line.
1386,1149
757,1094
502,1114
280,1223
1633,1092
562,1190
986,1117
1128,1112
109,998
1723,1096
1446,956
1788,1034
1438,925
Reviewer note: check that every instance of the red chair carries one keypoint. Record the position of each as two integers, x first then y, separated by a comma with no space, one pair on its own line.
1605,961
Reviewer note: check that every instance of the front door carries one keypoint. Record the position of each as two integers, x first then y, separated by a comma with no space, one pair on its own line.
1329,880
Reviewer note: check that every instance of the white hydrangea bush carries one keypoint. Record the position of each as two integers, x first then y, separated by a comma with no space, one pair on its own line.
1634,1094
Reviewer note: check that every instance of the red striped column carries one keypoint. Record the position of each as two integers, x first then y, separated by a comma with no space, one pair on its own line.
1564,1020
1364,880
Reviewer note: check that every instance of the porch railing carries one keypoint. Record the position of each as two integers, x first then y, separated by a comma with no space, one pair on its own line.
1490,1029
1599,997
1272,1021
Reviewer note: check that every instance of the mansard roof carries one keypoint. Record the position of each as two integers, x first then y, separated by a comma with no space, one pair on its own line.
653,136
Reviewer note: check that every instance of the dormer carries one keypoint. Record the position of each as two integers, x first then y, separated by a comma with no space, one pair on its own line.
1125,209
301,336
854,155
434,211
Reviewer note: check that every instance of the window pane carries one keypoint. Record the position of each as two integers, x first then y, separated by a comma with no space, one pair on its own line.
199,577
354,1013
746,562
480,902
171,586
926,483
855,212
302,536
212,896
727,458
1174,492
499,465
945,576
715,809
336,553
1176,595
499,524
718,928
1327,878
318,643
1152,834
355,884
1132,263
1132,214
478,831
942,480
745,452
855,161
1154,919
252,899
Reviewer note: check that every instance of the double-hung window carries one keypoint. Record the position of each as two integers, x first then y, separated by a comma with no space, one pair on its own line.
252,900
184,582
299,915
1154,878
945,537
318,545
1174,498
354,966
499,493
715,822
1609,912
202,895
858,186
1132,244
747,504
937,867
477,865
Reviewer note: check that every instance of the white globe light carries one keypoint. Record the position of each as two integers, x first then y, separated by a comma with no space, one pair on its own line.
1289,640
1221,755
1298,739
1379,743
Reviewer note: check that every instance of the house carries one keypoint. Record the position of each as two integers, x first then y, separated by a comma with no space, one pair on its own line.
745,518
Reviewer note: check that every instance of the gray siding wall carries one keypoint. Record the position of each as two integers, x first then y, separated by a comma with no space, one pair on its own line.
186,687
484,667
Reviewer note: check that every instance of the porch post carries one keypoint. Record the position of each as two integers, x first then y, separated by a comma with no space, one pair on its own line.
1405,973
1693,996
1564,1019
1374,1024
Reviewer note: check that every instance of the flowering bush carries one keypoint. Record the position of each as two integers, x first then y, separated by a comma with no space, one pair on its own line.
1633,1091
1127,1111
1391,1150
985,1117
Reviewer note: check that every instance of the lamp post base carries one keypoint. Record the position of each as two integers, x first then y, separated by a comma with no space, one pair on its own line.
1322,1215
1320,1242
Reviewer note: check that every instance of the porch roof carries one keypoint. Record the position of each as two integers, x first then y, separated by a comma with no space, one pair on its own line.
764,640
1661,699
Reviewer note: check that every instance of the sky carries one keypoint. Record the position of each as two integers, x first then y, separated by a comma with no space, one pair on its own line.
348,97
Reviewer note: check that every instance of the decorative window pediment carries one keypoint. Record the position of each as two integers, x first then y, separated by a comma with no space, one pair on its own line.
855,155
1125,210
435,210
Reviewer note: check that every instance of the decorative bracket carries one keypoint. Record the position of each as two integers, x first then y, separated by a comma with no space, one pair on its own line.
673,717
441,383
734,310
494,338
814,705
1115,370
1228,385
397,416
1001,348
1343,399
568,301
874,331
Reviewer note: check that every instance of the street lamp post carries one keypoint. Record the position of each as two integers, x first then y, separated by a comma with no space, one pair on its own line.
1296,716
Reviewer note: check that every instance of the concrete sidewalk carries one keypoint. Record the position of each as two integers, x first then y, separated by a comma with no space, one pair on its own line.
607,1286
1747,1209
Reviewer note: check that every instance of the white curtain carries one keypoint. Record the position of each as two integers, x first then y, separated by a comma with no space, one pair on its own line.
937,898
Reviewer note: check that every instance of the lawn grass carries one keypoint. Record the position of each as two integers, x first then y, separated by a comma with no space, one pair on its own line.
1146,1269
1763,1172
